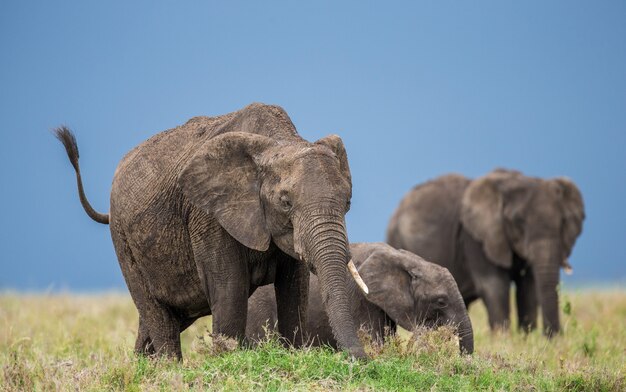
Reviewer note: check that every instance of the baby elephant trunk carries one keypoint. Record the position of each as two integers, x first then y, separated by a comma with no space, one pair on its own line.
466,336
464,326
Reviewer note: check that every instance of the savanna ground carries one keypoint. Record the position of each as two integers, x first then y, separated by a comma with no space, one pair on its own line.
84,342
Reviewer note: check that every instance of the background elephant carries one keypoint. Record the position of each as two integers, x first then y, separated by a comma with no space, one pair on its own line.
203,214
404,290
488,232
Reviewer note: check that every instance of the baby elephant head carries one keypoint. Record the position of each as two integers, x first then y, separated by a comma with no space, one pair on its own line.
412,291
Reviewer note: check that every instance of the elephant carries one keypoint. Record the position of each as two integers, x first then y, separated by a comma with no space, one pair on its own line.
204,213
403,289
500,228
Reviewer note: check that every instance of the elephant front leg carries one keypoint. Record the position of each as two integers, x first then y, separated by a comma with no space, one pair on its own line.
223,269
494,291
526,296
292,289
229,306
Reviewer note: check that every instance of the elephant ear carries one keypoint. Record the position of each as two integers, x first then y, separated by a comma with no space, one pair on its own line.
335,144
573,211
482,216
222,180
388,274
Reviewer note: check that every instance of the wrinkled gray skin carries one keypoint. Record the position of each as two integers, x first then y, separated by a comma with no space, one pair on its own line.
488,232
203,214
404,290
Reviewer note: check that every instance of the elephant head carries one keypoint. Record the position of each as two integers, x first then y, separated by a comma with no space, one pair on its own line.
412,291
289,192
536,220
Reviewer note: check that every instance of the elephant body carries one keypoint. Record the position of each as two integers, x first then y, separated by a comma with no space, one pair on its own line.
503,227
403,288
203,214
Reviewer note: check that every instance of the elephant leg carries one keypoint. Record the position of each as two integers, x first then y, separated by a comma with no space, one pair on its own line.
144,345
526,296
164,329
148,322
229,305
223,268
159,328
292,289
492,282
495,294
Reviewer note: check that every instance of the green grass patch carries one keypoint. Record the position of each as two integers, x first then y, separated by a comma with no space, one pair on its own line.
65,342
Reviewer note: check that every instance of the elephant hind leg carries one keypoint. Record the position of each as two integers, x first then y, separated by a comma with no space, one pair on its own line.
143,345
159,329
163,330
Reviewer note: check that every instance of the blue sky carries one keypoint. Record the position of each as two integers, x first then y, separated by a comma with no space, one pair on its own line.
415,89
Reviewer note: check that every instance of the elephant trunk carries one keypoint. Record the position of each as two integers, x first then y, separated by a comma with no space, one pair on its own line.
466,336
324,245
464,327
547,278
546,273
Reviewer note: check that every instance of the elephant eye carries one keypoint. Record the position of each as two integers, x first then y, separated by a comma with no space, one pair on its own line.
441,302
285,203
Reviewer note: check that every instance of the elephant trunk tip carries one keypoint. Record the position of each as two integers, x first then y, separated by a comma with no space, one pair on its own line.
466,349
358,353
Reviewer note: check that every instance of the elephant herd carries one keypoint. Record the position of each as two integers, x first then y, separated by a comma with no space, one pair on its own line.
239,217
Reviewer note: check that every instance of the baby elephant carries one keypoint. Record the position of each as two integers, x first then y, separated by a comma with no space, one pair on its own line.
403,289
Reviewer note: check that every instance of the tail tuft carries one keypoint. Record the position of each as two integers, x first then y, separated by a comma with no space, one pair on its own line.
65,135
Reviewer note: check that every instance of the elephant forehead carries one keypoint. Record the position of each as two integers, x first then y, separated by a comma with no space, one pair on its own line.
289,153
302,161
436,274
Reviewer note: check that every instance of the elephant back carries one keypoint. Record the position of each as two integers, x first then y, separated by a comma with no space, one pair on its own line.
427,220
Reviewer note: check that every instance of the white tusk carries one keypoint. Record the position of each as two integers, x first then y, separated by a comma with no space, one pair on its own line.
567,268
357,277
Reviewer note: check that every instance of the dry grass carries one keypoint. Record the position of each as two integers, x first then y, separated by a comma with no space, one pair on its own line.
84,342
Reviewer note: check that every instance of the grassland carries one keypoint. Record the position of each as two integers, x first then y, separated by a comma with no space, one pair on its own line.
84,342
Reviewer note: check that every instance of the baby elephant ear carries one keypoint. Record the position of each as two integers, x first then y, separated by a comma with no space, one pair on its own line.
388,275
335,144
222,180
481,215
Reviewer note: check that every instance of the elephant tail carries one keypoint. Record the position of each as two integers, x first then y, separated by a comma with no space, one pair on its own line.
66,137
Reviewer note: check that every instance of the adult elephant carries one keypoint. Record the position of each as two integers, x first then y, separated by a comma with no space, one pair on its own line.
203,214
403,289
488,232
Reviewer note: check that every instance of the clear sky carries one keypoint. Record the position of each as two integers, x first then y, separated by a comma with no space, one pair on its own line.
415,89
